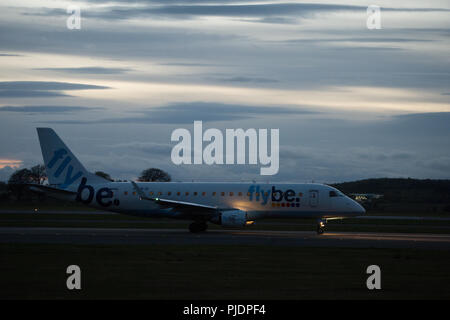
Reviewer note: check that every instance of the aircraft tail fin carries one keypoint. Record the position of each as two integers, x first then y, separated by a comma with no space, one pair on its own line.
63,169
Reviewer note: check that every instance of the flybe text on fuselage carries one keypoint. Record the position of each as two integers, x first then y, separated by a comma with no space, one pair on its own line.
103,196
258,194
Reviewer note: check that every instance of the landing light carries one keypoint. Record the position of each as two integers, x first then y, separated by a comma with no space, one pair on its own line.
249,223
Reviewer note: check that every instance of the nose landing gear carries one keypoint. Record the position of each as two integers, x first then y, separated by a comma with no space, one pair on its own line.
321,226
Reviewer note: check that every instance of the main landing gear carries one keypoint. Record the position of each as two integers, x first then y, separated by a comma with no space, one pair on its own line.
198,226
321,226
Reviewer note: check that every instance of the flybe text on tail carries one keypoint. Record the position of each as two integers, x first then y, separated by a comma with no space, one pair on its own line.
70,177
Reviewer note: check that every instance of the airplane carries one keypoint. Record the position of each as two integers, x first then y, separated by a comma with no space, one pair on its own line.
231,205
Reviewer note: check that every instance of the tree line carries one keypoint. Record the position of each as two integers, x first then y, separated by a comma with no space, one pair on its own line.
15,187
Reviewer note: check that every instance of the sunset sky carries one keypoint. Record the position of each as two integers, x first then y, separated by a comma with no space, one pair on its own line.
350,103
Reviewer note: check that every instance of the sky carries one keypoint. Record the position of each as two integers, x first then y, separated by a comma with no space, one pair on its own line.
350,102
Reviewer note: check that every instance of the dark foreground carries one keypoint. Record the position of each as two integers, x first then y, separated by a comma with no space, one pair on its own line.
130,258
163,271
133,236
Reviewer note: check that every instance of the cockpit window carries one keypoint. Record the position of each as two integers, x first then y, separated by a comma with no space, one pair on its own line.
335,194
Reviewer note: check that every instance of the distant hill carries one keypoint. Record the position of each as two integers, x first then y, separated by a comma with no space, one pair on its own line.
403,193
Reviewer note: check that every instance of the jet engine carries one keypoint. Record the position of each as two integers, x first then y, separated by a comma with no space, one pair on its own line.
232,219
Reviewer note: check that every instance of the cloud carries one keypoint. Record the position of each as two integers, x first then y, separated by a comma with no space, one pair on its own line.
6,172
89,70
260,10
178,113
9,55
186,64
153,148
45,109
434,121
230,53
46,85
191,10
249,79
357,39
439,164
28,89
30,94
10,163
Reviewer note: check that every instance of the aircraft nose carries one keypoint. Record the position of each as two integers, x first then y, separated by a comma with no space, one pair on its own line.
357,208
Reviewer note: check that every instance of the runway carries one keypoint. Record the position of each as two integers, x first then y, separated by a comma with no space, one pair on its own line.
128,236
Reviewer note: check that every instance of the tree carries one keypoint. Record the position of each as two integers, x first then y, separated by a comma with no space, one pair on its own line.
3,191
24,176
38,174
21,176
16,181
154,174
104,175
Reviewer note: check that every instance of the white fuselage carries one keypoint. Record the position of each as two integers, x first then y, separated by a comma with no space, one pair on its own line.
259,200
226,204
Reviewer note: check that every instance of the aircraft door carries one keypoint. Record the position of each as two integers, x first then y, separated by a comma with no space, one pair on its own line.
313,198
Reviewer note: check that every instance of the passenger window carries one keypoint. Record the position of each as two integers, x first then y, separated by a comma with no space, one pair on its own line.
195,193
222,193
159,193
333,194
151,193
169,193
125,193
178,193
231,194
240,194
214,193
134,193
187,193
300,194
203,193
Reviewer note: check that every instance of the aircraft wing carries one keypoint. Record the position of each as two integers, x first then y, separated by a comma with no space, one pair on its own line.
179,205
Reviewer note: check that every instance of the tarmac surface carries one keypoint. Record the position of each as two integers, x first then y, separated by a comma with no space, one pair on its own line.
103,213
131,236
